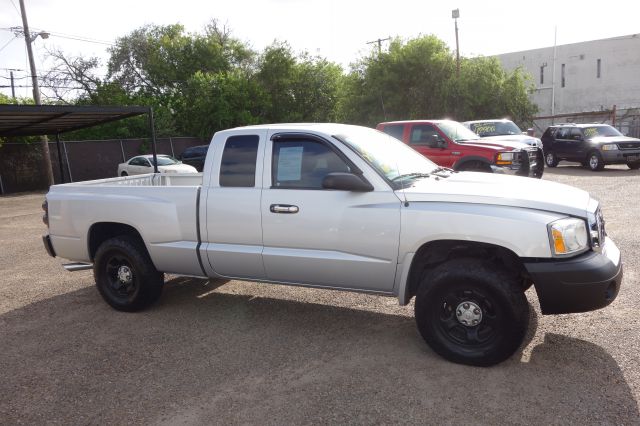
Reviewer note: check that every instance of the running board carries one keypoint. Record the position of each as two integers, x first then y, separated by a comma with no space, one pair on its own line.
77,266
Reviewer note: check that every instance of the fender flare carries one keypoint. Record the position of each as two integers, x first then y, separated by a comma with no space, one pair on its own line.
464,160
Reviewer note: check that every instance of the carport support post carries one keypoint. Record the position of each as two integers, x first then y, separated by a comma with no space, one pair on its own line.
59,158
153,141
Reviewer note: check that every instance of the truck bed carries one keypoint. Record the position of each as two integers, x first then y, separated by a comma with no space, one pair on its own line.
150,179
162,208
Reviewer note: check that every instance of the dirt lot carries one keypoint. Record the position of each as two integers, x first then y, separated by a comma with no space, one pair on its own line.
236,352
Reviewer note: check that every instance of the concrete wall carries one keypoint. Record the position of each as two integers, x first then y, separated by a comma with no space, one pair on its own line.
618,84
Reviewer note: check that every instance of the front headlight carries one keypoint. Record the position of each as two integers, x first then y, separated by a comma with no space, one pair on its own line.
610,147
505,158
568,236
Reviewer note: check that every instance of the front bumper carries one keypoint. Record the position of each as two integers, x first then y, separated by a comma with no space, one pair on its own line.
621,156
529,164
584,283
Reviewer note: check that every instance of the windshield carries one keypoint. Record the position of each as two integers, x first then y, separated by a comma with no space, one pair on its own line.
165,160
495,128
390,157
456,131
595,131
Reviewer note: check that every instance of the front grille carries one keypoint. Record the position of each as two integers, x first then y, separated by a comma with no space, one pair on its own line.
629,145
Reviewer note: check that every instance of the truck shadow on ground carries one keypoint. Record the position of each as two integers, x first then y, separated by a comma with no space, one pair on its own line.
202,355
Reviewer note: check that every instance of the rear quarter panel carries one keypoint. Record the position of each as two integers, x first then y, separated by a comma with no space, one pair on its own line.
165,218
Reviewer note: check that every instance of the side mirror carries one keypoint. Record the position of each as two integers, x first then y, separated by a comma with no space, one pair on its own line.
441,143
346,182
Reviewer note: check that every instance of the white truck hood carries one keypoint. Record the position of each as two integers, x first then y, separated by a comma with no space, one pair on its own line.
488,188
524,139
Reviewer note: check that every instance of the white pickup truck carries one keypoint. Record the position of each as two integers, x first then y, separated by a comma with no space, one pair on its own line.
350,208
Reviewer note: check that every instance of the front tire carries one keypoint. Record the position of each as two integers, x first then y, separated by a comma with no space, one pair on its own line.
125,275
634,165
550,159
124,174
595,163
471,312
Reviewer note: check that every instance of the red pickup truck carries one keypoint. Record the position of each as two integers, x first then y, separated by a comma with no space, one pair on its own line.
450,144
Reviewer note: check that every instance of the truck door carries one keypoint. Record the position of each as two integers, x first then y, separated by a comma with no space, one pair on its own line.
233,232
426,139
320,237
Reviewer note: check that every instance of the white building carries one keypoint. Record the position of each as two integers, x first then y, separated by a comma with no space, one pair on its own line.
589,76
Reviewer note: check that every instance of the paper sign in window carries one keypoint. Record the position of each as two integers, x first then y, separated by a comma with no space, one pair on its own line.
290,163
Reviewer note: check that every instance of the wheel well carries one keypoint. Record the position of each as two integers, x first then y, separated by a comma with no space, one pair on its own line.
471,163
434,253
100,232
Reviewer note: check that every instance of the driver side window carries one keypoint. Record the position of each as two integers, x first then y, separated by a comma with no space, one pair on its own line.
303,164
425,135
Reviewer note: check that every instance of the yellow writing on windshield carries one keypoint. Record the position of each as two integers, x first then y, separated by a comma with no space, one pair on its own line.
590,132
485,128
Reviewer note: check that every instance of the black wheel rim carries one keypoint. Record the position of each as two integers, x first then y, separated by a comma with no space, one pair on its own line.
122,282
453,330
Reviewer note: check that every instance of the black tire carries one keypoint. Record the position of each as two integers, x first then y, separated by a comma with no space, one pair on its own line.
467,284
634,166
539,170
124,174
550,159
595,163
475,166
125,257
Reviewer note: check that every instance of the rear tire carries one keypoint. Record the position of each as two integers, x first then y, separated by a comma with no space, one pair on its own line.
595,163
634,165
125,275
468,290
550,159
124,174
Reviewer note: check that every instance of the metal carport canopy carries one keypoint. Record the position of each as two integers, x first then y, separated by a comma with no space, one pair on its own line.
38,120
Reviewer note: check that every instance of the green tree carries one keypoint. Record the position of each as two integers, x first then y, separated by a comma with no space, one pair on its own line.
417,79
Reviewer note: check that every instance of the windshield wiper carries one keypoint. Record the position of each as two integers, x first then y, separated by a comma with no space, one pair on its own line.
442,169
411,175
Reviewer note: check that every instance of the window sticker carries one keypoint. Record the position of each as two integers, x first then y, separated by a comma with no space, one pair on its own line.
290,163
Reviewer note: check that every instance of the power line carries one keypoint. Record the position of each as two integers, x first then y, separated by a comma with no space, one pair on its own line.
7,43
65,36
15,7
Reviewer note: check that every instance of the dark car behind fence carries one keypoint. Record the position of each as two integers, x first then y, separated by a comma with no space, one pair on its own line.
21,169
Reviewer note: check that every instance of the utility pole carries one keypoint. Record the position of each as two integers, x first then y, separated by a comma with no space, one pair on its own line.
44,142
379,41
13,87
553,75
455,14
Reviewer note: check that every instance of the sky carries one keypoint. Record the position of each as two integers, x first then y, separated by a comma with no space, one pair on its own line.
337,30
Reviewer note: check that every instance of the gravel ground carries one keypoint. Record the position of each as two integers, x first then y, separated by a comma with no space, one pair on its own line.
237,352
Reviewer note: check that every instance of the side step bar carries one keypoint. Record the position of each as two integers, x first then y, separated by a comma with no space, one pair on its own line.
77,266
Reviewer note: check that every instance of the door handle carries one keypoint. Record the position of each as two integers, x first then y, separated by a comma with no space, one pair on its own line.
283,208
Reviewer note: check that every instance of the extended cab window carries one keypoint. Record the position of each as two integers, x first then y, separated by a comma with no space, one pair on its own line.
303,164
424,134
395,130
238,167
